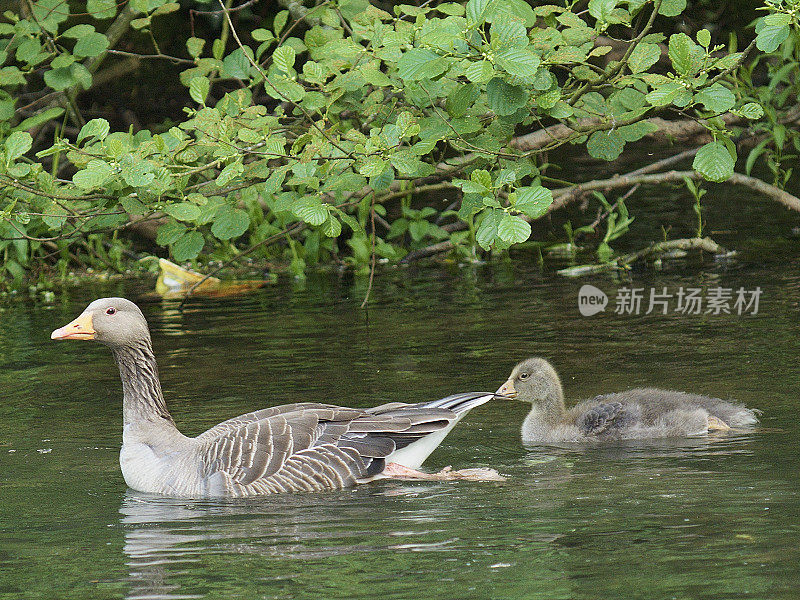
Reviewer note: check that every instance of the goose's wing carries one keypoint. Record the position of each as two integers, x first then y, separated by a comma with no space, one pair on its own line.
311,446
296,447
600,417
257,415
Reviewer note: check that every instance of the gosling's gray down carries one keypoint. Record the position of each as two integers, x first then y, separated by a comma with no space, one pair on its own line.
636,413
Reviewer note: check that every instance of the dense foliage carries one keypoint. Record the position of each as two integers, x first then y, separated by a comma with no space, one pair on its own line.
306,138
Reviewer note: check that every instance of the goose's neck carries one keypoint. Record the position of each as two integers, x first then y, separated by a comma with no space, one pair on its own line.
546,413
141,389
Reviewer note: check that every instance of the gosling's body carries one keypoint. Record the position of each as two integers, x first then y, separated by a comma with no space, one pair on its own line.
637,413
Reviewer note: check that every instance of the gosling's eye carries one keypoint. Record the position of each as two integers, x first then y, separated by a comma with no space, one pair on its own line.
111,311
524,375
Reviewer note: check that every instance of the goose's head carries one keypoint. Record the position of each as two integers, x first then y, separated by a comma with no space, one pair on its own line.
115,322
533,380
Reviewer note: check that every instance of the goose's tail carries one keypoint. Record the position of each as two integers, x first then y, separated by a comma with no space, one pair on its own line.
430,424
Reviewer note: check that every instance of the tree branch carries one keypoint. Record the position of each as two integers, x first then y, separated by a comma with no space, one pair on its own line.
659,248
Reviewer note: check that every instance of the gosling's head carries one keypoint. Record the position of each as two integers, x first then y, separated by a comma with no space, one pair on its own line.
114,322
533,380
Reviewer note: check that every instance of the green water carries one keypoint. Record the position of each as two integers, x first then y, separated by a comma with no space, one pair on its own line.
685,518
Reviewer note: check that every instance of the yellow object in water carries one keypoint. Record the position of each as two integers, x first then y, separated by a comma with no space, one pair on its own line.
175,281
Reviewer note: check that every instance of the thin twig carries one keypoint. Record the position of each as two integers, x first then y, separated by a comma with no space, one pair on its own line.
372,265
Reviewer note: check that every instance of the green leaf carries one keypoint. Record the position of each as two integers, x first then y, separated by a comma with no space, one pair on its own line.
135,171
752,157
28,51
279,22
421,63
513,229
774,31
714,162
95,175
516,9
49,13
672,8
533,201
230,172
418,229
643,57
479,72
183,211
169,233
476,11
751,110
96,128
716,98
382,180
62,60
508,33
102,9
229,222
408,164
665,93
58,79
636,131
38,119
504,98
199,88
90,45
141,23
133,206
487,231
56,216
17,144
262,35
483,178
373,165
332,228
311,210
7,108
470,205
607,145
11,76
519,62
78,31
194,46
681,53
461,99
704,38
188,246
166,8
284,58
81,75
236,64
602,9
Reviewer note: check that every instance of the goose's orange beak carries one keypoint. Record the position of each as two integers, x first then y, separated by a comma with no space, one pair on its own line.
79,329
507,390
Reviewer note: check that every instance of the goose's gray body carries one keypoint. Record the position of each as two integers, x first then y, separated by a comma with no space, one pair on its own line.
295,447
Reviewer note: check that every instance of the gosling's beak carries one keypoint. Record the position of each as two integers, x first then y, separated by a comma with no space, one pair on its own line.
507,391
79,329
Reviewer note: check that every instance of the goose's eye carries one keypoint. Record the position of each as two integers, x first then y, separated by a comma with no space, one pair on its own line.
524,375
111,311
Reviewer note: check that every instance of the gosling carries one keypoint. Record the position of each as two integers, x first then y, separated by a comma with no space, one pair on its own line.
637,413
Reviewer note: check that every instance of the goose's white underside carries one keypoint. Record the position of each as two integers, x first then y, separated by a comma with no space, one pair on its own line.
413,455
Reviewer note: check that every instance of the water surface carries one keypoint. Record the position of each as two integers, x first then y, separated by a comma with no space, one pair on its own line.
711,517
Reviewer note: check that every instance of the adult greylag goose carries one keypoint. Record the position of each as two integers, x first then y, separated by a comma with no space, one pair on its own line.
294,447
637,413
